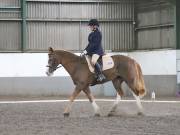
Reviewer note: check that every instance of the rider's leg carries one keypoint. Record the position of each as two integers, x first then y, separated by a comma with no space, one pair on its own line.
95,57
97,66
98,71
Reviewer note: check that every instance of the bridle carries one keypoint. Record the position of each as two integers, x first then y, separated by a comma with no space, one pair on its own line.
54,68
59,65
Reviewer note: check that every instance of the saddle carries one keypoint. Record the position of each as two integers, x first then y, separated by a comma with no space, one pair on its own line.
105,61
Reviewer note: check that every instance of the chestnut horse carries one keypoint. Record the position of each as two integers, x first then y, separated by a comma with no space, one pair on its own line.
125,70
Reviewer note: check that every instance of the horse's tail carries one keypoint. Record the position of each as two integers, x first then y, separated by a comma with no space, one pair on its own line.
140,85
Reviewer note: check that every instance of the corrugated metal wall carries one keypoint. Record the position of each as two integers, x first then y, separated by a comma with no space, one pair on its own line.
10,36
155,24
9,3
63,24
10,25
62,35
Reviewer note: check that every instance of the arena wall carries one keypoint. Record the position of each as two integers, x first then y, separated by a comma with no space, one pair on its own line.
23,74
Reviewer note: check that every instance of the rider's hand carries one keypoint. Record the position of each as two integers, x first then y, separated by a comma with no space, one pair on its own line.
83,53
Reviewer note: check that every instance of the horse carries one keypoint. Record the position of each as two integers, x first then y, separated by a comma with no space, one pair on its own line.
125,70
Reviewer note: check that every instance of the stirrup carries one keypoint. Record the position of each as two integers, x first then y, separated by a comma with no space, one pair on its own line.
101,77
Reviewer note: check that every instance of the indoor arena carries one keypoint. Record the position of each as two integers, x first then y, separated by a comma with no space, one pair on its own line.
89,67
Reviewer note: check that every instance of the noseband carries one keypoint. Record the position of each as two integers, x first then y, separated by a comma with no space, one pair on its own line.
54,68
59,66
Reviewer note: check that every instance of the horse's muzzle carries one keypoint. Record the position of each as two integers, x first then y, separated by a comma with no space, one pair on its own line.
48,73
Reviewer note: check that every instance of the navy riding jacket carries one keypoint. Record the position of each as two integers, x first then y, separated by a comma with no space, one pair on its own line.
94,46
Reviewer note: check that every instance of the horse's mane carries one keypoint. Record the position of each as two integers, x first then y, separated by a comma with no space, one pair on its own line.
66,53
70,55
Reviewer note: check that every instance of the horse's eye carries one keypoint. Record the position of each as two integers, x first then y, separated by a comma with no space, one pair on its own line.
50,61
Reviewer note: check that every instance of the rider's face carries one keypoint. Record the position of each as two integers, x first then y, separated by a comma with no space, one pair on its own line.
91,28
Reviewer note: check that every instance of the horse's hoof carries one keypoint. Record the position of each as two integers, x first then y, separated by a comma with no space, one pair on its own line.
112,112
97,115
66,115
110,115
140,113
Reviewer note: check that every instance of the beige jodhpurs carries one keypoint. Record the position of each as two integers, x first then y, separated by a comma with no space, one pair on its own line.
94,59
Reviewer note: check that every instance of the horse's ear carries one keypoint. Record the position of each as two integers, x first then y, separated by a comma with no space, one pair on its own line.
50,50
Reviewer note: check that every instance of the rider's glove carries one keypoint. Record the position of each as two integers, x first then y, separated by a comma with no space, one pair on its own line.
83,53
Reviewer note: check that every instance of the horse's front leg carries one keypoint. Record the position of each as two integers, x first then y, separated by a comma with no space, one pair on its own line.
71,99
92,101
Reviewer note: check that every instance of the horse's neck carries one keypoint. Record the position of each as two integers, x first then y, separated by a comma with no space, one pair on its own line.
69,61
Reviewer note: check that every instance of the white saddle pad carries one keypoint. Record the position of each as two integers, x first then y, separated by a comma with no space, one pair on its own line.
107,61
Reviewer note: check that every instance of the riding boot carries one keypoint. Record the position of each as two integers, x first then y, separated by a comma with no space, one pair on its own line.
98,71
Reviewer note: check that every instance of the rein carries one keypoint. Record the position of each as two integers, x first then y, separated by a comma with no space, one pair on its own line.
63,64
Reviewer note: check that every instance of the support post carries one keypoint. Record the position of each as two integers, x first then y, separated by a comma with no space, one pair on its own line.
23,25
177,21
177,33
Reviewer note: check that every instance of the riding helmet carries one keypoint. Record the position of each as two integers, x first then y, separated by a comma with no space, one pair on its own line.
93,22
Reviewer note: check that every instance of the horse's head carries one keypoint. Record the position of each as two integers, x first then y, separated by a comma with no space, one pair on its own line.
52,62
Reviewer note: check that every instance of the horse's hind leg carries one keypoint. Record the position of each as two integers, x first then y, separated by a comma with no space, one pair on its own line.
117,85
139,105
91,99
135,93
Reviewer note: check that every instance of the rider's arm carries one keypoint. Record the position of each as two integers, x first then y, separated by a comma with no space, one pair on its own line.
94,43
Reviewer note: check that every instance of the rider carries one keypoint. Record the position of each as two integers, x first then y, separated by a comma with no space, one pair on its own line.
94,47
